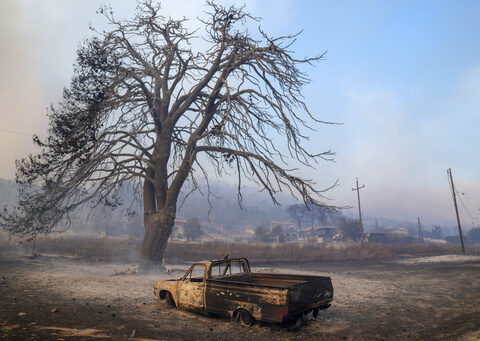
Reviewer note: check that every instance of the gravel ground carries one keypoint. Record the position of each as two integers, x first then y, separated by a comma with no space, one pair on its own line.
58,298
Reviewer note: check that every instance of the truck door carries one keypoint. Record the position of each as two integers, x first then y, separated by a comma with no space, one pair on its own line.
191,288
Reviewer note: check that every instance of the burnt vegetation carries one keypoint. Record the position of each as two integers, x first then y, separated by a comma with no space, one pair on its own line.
145,109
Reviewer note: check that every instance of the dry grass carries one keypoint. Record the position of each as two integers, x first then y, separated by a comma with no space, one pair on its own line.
128,249
300,252
92,247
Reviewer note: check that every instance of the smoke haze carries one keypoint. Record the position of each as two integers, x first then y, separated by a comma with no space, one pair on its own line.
407,99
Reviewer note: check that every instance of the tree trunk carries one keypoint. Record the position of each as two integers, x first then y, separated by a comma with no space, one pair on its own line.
158,228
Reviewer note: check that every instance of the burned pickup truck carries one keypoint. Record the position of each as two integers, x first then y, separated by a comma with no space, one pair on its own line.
228,287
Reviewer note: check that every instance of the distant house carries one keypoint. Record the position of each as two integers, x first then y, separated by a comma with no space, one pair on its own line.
289,228
378,237
324,232
284,224
389,238
399,231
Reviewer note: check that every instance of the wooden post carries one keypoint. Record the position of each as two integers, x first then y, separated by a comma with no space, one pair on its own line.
449,171
420,231
359,209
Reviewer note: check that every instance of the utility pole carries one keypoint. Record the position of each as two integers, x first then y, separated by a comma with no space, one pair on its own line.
449,171
34,242
420,231
359,209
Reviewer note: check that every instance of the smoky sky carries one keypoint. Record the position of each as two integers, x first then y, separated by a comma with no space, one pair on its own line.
407,92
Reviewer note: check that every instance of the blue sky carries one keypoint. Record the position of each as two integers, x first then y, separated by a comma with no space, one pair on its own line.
402,76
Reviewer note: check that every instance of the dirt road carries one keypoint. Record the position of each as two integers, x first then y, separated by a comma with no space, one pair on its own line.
54,298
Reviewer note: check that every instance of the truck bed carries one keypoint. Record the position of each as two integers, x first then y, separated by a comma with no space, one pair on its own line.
280,295
281,281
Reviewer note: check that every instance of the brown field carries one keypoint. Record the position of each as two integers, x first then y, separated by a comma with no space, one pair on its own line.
81,289
409,298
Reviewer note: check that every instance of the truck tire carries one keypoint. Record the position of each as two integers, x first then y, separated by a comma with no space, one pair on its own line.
169,299
245,318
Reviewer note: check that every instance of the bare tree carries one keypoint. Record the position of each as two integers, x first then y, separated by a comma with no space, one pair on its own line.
144,106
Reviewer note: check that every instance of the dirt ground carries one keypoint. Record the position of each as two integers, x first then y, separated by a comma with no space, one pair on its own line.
57,298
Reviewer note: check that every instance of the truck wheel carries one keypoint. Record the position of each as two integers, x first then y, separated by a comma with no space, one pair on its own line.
245,318
169,300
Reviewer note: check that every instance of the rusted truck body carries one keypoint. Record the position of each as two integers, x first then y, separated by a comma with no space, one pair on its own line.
228,287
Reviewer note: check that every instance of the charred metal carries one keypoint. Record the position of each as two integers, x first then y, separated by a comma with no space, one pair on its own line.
228,287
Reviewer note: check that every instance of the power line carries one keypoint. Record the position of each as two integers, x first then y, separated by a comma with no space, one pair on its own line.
461,201
465,207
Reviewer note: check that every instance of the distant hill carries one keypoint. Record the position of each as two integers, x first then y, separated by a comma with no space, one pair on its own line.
257,207
225,211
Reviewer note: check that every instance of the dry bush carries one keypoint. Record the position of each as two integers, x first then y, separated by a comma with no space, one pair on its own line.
298,252
104,248
116,248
